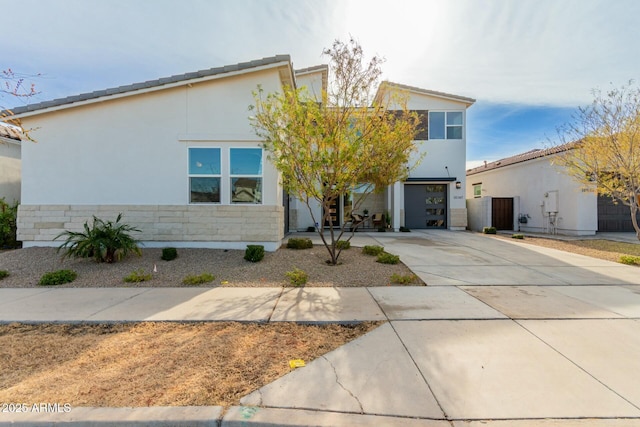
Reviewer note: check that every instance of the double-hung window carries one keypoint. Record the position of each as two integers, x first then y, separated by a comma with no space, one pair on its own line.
245,173
445,125
204,175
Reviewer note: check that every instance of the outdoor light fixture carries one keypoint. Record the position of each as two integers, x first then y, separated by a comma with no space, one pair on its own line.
458,185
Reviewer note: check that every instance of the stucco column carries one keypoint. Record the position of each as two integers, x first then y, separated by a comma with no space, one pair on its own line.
397,200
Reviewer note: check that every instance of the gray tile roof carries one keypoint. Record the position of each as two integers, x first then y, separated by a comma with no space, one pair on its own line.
428,92
152,83
519,158
322,67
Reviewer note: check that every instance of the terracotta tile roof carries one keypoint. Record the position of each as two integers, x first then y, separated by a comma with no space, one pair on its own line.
519,158
151,83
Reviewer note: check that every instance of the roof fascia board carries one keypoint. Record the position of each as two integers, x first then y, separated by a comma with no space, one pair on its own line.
141,91
12,141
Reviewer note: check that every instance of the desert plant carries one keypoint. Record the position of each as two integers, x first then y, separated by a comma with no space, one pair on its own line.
518,236
297,277
8,215
403,279
137,276
404,229
57,277
104,241
169,254
629,259
489,230
343,244
387,258
299,243
373,250
254,253
198,279
3,274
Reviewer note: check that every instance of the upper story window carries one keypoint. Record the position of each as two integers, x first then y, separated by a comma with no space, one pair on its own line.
445,125
204,175
245,174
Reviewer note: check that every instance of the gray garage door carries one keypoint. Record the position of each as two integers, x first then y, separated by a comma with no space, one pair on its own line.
613,217
425,205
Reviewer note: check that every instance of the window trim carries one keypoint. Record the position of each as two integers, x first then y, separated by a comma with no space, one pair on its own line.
479,185
447,125
190,175
230,176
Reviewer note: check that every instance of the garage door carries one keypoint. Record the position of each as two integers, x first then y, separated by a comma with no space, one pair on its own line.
613,217
425,205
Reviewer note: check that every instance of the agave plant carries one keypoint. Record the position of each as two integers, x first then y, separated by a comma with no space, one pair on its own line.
104,241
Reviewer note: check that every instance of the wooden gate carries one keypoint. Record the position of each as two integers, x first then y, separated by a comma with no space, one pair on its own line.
502,213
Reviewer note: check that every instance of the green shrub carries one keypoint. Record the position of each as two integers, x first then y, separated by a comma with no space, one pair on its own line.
489,230
403,279
297,277
311,229
372,250
343,244
299,243
518,236
3,274
57,277
137,276
104,241
169,254
199,279
387,258
382,229
404,229
630,259
254,253
8,215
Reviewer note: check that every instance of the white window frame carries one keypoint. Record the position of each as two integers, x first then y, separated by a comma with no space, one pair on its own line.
219,176
477,185
231,176
447,126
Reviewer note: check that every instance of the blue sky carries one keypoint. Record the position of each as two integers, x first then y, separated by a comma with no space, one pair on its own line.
528,63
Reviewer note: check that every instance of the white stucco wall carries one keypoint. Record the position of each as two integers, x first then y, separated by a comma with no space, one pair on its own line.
312,82
10,165
134,150
131,153
532,180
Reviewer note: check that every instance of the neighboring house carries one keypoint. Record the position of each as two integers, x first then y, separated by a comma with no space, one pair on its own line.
10,140
528,193
179,158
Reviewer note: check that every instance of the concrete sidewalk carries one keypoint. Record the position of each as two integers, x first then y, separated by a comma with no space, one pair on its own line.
505,334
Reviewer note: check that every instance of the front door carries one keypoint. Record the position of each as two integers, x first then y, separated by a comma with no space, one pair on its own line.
334,214
425,205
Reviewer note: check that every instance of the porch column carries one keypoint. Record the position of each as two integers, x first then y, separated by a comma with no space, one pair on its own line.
398,201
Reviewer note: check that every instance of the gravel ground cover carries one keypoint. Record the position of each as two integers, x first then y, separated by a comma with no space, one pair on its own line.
26,266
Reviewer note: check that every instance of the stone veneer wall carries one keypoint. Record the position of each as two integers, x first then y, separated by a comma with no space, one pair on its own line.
215,226
458,219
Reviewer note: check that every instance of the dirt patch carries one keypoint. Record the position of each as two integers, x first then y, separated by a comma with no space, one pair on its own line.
596,248
26,266
155,364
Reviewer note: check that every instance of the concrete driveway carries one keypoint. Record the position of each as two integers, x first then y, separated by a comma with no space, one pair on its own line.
504,334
